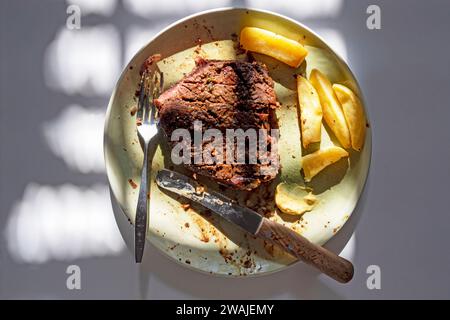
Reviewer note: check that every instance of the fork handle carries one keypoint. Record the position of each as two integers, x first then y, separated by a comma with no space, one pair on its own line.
140,225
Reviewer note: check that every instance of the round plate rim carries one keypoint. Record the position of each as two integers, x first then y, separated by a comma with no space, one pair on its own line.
201,13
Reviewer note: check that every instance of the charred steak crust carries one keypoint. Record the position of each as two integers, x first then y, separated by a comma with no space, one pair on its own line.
223,94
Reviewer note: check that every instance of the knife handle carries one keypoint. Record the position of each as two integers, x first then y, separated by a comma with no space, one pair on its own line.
290,241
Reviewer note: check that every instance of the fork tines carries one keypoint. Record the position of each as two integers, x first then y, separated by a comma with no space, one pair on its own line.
150,87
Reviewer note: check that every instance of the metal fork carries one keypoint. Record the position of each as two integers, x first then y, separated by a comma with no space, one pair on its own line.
147,128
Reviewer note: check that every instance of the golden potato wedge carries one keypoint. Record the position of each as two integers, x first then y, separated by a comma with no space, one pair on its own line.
310,112
354,115
294,199
331,107
315,162
276,46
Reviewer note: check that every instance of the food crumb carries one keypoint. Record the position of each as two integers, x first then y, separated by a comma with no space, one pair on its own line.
186,206
186,224
133,111
132,183
150,60
198,50
199,189
247,264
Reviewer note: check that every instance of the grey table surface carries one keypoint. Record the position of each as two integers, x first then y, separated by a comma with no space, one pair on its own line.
54,202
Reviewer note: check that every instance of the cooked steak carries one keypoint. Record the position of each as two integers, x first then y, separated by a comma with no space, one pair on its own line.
224,95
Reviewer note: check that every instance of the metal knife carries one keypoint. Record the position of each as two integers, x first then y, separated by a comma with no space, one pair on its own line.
290,241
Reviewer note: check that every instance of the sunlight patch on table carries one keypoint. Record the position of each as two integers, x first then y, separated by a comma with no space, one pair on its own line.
86,61
147,8
300,9
103,7
76,136
350,248
62,223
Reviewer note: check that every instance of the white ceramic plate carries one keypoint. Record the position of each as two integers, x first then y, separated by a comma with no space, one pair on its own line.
196,238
